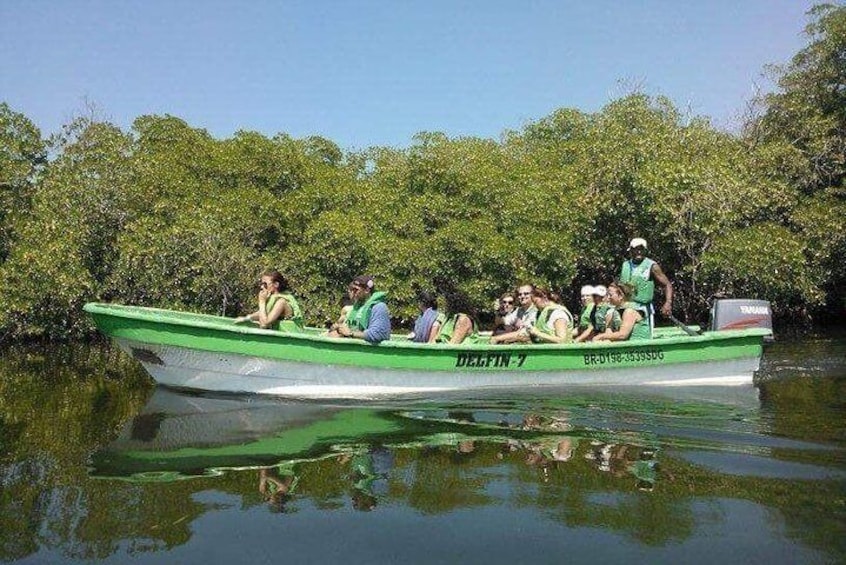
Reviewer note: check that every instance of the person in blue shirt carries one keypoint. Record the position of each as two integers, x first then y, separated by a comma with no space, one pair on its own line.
369,318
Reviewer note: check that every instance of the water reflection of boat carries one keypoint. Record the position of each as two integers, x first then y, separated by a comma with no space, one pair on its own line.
185,434
178,435
201,352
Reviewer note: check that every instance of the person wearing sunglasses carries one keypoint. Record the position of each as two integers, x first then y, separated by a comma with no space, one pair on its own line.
275,304
503,307
518,322
368,319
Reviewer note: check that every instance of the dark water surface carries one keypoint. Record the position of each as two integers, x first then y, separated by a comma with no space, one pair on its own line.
97,466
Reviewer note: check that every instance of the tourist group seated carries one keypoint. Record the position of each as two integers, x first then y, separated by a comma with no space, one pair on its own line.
530,314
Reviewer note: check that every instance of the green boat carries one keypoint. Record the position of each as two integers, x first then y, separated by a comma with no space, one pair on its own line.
213,353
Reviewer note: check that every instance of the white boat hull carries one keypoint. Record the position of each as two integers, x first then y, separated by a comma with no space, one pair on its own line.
188,368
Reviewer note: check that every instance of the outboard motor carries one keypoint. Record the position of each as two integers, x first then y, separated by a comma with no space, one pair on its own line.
741,314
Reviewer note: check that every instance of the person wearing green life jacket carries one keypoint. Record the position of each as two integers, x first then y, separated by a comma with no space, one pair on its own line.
275,304
460,324
634,323
607,317
587,319
368,319
642,273
588,304
554,323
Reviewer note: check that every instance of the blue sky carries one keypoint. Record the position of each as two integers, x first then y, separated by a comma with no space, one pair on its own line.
365,73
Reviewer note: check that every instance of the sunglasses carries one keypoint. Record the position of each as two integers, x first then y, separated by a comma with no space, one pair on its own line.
507,301
264,284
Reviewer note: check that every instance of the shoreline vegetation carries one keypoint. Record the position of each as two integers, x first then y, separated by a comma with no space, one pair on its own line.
165,215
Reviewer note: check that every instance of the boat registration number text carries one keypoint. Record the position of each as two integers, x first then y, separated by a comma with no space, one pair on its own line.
640,356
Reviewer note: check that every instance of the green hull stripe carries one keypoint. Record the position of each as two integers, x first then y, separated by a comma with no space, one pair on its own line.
220,335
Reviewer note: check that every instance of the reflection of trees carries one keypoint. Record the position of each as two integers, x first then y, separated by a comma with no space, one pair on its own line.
439,479
805,408
20,510
54,408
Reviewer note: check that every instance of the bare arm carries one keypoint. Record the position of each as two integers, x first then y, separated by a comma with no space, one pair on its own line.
279,311
433,333
630,318
585,335
561,327
661,278
462,328
248,318
518,336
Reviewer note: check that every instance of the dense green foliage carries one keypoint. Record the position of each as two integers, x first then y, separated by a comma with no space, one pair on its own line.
799,136
167,215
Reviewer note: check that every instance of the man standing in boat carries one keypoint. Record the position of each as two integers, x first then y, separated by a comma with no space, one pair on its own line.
369,318
642,273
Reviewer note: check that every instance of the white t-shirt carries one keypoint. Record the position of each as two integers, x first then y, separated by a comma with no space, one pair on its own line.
528,317
558,314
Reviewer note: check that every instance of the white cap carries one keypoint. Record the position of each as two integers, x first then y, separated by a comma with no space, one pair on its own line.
588,290
637,242
600,290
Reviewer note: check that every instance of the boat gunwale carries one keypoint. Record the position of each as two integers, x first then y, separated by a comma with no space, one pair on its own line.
219,323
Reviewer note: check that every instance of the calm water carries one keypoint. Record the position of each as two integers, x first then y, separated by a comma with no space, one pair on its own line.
97,466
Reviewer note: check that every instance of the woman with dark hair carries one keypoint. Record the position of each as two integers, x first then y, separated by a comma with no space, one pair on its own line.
634,317
429,323
554,323
275,303
460,321
504,306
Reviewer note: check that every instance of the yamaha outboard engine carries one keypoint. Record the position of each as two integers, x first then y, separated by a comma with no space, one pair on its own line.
740,314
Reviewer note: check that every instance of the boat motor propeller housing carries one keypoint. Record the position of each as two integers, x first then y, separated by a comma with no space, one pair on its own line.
741,314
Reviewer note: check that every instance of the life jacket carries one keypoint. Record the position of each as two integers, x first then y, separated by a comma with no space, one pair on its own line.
294,322
448,329
542,324
641,328
587,317
602,310
358,317
296,311
640,277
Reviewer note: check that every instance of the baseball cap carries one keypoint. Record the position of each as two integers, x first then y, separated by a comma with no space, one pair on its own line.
637,242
